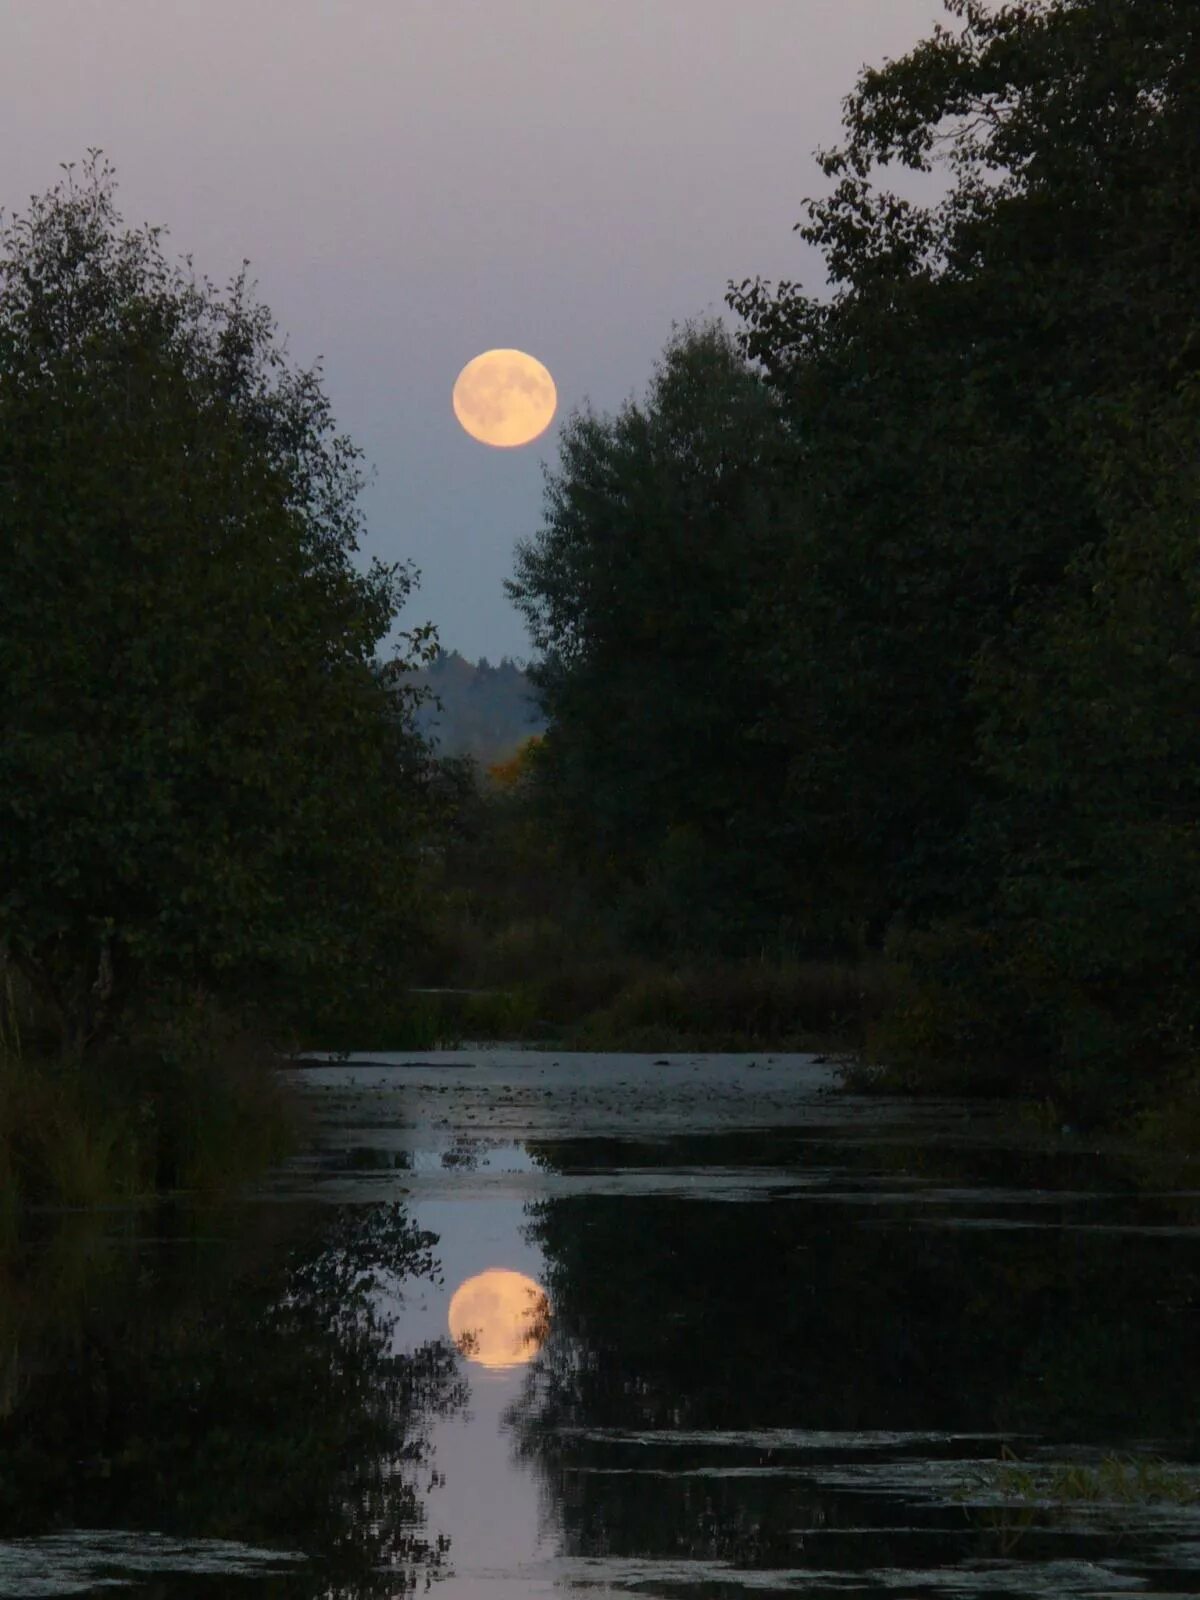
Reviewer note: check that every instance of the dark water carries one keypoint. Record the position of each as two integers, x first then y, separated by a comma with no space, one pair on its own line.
764,1338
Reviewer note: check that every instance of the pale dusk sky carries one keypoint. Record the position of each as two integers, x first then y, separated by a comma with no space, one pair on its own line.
415,181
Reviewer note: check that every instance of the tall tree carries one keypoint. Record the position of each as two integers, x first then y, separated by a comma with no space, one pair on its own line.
204,773
946,391
1091,739
643,593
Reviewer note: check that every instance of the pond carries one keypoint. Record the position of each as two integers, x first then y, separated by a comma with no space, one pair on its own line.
520,1323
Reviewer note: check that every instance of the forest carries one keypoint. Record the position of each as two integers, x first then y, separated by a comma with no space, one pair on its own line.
871,631
865,652
475,709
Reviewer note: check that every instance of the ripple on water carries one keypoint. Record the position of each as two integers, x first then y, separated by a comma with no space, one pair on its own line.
84,1560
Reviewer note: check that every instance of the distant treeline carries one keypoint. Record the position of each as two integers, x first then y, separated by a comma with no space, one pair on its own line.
476,709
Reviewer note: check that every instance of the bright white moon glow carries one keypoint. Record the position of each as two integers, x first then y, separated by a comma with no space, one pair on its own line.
505,398
499,1318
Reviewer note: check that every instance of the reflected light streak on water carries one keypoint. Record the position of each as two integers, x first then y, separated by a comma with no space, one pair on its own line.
795,1342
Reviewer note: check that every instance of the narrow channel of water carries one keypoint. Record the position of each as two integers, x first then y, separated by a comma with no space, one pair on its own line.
681,1326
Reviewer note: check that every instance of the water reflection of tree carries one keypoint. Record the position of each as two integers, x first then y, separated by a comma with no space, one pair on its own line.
262,1403
675,1314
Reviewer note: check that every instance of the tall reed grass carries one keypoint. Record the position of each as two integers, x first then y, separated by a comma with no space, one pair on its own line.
536,980
187,1097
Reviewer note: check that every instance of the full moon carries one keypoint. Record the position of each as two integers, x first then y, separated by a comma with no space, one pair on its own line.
504,398
499,1318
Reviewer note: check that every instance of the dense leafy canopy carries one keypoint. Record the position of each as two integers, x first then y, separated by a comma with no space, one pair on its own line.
664,528
951,389
942,681
204,773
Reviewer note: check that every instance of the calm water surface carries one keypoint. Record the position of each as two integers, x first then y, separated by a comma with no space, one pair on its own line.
748,1335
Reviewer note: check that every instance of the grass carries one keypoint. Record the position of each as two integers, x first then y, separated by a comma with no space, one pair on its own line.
210,1085
60,1144
572,981
594,999
1016,1498
565,980
1116,1480
738,1005
1172,1122
188,1098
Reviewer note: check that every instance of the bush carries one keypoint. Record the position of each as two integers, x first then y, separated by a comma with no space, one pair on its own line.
729,1004
206,774
188,1097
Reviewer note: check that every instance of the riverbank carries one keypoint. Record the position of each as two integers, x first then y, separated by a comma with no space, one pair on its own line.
192,1099
601,999
521,985
187,1100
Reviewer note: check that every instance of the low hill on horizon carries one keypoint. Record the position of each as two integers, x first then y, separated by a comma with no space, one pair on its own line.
479,710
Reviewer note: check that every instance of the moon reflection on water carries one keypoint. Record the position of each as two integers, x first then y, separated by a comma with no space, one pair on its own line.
499,1318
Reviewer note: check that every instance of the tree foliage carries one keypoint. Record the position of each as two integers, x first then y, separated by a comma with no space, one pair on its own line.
1089,736
204,772
948,389
944,687
642,594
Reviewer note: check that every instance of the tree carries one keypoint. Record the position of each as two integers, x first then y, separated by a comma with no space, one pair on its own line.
205,774
1090,735
946,392
643,592
998,423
